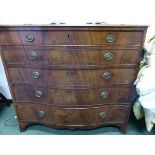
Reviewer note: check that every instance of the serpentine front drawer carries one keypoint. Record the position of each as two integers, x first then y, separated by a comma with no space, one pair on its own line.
72,36
73,117
66,56
69,96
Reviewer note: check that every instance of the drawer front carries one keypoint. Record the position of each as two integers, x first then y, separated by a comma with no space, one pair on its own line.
72,97
19,37
73,77
71,38
78,116
72,57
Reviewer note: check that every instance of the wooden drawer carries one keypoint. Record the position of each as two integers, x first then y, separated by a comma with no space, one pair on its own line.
72,96
73,77
78,37
68,56
73,117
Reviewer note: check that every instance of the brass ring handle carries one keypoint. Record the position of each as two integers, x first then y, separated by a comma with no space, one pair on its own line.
106,75
32,55
104,95
35,75
29,38
102,115
38,94
108,56
110,38
41,113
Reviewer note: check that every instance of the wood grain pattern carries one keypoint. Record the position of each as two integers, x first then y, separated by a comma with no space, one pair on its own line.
70,97
73,117
69,56
72,77
71,37
70,62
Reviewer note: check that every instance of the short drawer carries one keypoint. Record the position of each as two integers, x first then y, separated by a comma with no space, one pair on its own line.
72,96
69,56
73,117
78,37
73,77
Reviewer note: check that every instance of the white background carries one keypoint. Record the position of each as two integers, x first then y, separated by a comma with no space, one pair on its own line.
78,11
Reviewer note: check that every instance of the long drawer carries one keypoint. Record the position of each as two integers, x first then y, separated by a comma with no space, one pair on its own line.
73,117
71,96
69,56
82,37
73,77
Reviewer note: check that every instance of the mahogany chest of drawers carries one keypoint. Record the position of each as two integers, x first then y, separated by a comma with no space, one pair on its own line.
72,77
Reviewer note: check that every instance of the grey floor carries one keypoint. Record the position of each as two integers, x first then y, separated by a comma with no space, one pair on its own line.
9,126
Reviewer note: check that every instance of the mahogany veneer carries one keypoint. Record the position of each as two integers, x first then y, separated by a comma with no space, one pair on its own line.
72,77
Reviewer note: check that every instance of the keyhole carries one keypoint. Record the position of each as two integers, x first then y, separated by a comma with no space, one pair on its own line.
68,35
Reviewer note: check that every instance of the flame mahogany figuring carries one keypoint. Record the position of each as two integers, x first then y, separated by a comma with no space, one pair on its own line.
70,90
